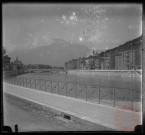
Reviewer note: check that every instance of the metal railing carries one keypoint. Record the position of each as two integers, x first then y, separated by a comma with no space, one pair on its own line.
85,91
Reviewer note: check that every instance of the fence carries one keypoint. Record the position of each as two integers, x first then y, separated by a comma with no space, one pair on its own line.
85,91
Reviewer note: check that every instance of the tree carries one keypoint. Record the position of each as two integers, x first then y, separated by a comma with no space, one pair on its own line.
4,51
93,52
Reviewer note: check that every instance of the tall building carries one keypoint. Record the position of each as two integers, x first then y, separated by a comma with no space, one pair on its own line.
107,60
91,62
97,62
81,63
128,55
87,63
74,63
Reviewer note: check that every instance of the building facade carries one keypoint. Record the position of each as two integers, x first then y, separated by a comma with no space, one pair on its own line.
123,57
87,66
17,64
128,56
92,62
107,60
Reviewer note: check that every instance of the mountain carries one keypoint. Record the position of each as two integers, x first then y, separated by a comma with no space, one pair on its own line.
54,54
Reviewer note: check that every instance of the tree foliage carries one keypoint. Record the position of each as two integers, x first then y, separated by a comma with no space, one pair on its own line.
4,51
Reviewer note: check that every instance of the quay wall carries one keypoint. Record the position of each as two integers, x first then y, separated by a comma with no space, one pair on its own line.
124,73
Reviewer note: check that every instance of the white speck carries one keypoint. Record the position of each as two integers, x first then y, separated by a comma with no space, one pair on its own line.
64,17
80,38
74,13
42,20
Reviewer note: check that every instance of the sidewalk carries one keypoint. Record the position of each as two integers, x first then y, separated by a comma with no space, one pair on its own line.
96,113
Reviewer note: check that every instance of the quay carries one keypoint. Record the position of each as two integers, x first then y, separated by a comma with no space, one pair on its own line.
71,108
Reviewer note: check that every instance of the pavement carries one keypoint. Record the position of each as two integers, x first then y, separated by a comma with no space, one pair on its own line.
83,110
29,118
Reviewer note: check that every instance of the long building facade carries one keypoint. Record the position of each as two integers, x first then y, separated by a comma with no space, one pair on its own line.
123,57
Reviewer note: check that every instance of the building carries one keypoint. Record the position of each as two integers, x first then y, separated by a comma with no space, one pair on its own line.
123,57
74,63
97,62
87,65
128,55
78,63
82,63
17,64
107,60
92,61
138,46
66,65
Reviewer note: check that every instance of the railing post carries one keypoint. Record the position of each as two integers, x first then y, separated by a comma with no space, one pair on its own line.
38,84
113,97
86,92
132,99
20,81
51,85
76,90
66,88
58,87
17,82
23,81
35,83
26,83
14,80
30,82
45,85
99,95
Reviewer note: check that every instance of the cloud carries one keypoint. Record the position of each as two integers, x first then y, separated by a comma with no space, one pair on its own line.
95,38
10,47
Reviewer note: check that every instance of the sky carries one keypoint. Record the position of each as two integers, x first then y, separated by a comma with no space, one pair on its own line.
100,26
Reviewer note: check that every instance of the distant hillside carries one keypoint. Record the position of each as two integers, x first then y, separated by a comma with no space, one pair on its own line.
54,54
129,44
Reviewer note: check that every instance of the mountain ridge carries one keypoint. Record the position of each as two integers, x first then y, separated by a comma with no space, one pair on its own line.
55,54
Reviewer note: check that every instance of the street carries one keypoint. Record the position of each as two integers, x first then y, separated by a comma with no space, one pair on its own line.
29,120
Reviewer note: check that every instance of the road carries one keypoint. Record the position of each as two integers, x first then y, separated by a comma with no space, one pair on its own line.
28,120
